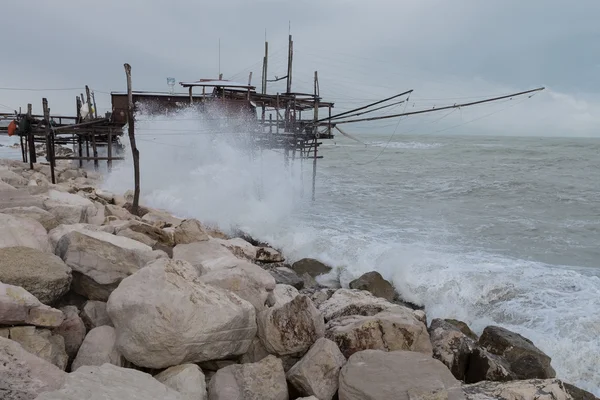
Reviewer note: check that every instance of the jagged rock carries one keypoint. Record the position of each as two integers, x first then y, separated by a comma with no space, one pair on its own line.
239,247
255,353
463,327
57,233
451,346
286,276
100,260
18,306
281,294
140,237
264,380
187,379
247,280
23,376
310,266
356,302
374,283
41,343
484,366
69,208
11,178
291,328
109,382
161,218
190,231
47,220
26,232
42,274
205,256
268,255
6,187
319,295
384,331
398,375
157,234
164,316
98,347
72,330
421,316
577,393
538,389
11,197
94,314
525,360
317,373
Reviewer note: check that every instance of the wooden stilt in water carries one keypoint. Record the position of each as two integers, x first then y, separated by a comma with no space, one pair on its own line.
316,131
95,150
49,156
109,150
134,150
31,143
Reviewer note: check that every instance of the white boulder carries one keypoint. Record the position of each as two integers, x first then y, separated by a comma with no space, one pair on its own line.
187,379
19,231
98,348
18,306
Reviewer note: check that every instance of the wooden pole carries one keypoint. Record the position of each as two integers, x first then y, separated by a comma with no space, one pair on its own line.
49,155
89,102
191,98
79,137
95,109
109,150
277,115
95,150
32,156
290,57
265,67
134,150
316,134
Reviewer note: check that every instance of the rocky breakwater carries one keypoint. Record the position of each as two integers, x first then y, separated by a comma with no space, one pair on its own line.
98,302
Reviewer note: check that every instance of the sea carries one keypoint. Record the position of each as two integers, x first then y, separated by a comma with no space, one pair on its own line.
499,230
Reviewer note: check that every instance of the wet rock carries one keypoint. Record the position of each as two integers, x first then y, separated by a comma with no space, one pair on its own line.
309,281
286,276
41,343
538,389
18,306
317,373
525,360
374,283
164,316
72,330
247,280
94,314
100,260
318,295
42,274
47,220
98,348
161,219
190,231
281,294
264,380
239,247
268,255
398,375
291,328
18,231
23,375
345,302
451,346
119,212
187,379
384,331
484,366
463,327
109,382
310,266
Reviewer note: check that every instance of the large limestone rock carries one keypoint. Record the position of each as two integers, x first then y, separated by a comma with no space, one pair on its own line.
538,389
109,382
239,247
310,266
281,294
42,274
384,331
396,375
5,187
117,211
57,233
99,347
18,231
100,260
41,343
47,220
94,314
247,280
286,276
356,302
69,208
72,330
255,353
485,366
317,373
164,316
268,255
525,360
18,306
190,231
154,233
374,283
264,380
12,178
206,256
187,379
451,346
24,376
161,218
11,197
291,328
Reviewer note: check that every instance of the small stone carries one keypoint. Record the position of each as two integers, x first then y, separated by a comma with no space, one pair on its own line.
287,276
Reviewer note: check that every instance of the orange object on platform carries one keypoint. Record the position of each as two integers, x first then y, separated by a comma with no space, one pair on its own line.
12,127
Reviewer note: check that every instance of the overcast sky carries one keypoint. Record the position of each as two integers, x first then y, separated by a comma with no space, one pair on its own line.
363,50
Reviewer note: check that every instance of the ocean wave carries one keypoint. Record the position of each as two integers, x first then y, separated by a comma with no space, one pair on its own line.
406,145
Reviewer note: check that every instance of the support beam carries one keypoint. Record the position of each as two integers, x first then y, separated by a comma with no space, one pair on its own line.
134,150
49,155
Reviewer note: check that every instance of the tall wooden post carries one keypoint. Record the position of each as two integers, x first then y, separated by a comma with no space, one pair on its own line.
109,150
49,155
249,83
134,150
79,137
95,149
277,114
89,102
32,155
316,135
94,102
191,98
290,58
264,72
